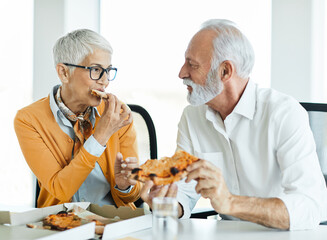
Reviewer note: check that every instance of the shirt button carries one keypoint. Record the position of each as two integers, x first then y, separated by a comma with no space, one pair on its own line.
69,140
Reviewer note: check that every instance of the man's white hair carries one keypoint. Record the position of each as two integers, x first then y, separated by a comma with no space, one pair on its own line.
230,44
75,46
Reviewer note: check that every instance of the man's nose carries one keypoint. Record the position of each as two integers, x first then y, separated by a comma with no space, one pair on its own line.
183,73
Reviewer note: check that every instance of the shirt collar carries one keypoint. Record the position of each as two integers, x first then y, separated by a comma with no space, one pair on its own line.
245,106
59,115
247,103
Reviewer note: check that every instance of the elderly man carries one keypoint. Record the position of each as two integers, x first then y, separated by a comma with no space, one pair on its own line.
258,159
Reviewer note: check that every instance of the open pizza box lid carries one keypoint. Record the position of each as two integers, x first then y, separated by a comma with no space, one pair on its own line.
131,221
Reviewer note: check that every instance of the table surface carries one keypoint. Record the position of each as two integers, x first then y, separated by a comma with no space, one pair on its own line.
202,229
197,229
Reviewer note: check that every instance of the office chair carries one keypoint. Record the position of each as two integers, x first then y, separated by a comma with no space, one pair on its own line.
146,138
146,133
318,122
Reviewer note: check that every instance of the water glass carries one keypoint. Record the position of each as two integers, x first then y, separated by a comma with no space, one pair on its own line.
164,218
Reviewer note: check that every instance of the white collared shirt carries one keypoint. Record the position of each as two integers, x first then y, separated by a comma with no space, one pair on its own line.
264,148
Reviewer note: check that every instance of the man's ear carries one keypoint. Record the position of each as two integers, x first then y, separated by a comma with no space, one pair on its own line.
226,70
63,72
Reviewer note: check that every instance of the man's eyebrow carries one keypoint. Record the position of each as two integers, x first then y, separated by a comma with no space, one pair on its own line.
191,60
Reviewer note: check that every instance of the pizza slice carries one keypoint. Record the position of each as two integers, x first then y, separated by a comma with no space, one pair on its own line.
62,221
99,93
165,170
67,220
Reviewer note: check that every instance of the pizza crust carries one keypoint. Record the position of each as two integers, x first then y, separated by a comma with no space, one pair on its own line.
99,93
165,170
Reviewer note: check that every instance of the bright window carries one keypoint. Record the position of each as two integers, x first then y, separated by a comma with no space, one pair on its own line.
149,39
16,47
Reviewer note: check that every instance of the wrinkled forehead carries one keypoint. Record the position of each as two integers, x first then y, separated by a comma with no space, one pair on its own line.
201,45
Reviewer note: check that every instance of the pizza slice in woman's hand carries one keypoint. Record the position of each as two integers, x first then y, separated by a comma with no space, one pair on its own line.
165,170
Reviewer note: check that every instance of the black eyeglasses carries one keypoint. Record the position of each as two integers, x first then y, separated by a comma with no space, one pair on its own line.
96,72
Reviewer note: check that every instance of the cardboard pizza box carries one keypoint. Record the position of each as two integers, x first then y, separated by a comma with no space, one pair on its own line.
130,221
15,225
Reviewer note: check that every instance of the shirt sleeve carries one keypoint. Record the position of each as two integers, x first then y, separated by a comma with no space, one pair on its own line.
92,146
304,194
128,190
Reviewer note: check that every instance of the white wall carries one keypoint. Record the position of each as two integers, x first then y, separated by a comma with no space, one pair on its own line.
298,38
53,19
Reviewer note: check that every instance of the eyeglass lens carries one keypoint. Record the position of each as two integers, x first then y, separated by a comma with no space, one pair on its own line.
97,72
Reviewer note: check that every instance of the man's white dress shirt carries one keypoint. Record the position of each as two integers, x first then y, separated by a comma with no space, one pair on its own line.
265,148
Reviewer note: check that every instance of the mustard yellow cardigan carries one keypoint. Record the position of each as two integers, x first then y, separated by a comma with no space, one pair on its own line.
48,151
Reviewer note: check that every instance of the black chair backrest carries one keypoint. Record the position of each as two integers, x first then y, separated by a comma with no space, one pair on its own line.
318,122
152,142
150,131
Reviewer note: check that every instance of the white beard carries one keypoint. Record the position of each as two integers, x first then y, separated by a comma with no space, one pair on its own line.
203,94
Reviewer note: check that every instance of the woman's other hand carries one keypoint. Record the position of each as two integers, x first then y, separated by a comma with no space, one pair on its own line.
123,169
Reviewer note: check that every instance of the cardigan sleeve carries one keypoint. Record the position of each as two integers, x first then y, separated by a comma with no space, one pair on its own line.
128,148
52,167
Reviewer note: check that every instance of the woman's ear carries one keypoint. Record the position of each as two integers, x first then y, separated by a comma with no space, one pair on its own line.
63,72
226,70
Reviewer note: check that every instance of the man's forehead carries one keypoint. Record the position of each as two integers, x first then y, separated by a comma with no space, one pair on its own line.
201,45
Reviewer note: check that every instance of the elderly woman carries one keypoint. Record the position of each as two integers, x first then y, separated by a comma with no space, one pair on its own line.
79,146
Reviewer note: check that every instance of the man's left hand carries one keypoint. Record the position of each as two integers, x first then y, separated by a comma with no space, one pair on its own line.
211,184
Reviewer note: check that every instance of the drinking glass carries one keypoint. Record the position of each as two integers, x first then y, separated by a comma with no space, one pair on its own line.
164,218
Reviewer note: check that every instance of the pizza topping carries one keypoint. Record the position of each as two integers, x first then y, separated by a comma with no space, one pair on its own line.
135,170
174,170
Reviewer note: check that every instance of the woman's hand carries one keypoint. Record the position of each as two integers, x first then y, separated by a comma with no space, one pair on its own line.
150,191
115,116
123,169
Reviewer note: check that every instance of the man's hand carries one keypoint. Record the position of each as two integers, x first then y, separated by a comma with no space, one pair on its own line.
115,116
211,184
123,169
270,212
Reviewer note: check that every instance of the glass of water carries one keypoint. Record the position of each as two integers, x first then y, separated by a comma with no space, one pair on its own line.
164,218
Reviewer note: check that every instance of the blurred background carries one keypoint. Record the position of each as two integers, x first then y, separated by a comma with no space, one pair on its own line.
149,39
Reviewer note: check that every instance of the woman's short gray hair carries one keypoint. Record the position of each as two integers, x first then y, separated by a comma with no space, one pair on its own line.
75,46
230,44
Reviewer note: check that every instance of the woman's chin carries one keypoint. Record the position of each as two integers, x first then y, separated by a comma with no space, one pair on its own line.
95,102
